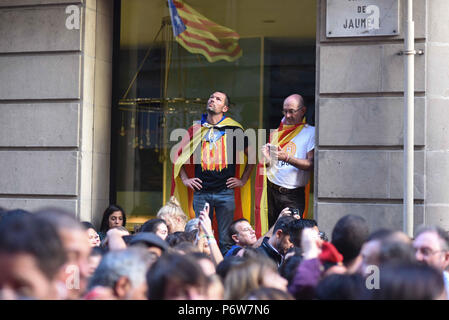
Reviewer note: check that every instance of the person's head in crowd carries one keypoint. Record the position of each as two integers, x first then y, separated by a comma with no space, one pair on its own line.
2,212
185,247
77,247
94,238
205,263
124,273
408,282
114,216
288,268
432,247
192,224
282,232
31,257
149,241
341,287
215,288
385,245
294,251
348,236
181,236
248,252
264,293
7,214
396,252
242,233
157,226
176,277
116,238
173,215
297,226
95,256
253,273
122,229
226,264
331,259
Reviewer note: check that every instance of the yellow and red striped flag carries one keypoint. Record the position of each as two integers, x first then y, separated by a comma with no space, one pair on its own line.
197,34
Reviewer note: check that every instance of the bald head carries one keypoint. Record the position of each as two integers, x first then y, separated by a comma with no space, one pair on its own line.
295,100
293,109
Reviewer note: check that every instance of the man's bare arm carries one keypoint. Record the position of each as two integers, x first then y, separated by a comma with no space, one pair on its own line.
285,212
303,164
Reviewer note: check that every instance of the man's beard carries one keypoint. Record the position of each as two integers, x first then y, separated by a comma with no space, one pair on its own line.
211,110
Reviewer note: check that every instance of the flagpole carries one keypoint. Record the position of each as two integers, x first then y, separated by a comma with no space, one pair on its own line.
168,54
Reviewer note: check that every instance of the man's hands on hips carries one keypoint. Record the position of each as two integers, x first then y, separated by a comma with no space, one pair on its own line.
193,183
233,182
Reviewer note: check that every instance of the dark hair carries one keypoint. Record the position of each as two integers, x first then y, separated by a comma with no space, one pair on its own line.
348,236
408,282
380,234
232,228
182,270
151,225
288,267
226,264
282,224
28,233
104,227
60,219
251,252
97,251
297,226
7,215
341,287
396,252
87,225
181,236
186,247
197,255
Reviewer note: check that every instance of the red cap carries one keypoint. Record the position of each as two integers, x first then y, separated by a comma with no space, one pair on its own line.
329,253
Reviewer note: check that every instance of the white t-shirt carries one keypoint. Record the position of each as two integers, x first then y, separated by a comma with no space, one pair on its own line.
286,175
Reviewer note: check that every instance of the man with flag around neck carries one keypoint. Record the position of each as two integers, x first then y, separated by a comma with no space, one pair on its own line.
288,160
219,177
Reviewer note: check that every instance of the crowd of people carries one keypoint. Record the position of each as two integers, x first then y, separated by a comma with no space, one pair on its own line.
50,254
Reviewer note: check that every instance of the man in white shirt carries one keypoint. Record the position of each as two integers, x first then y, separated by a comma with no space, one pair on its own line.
289,159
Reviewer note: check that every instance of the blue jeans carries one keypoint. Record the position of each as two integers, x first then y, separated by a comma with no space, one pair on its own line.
224,205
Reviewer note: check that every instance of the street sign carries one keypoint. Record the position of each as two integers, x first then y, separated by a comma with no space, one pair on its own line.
362,18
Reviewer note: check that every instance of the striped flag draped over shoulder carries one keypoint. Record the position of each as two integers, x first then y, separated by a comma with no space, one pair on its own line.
197,34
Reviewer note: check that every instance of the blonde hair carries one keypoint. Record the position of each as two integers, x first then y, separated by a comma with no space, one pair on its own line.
173,214
246,276
215,288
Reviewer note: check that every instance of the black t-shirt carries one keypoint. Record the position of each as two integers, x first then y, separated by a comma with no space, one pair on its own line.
214,176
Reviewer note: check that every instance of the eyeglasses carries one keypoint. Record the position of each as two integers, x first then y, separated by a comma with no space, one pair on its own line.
247,229
285,112
427,252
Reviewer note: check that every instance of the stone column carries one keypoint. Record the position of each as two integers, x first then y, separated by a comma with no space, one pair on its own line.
55,104
359,155
437,129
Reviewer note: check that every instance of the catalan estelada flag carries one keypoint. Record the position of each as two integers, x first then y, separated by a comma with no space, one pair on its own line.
197,34
183,156
280,137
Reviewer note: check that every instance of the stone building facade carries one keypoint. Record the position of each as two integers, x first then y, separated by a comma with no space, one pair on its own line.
55,106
